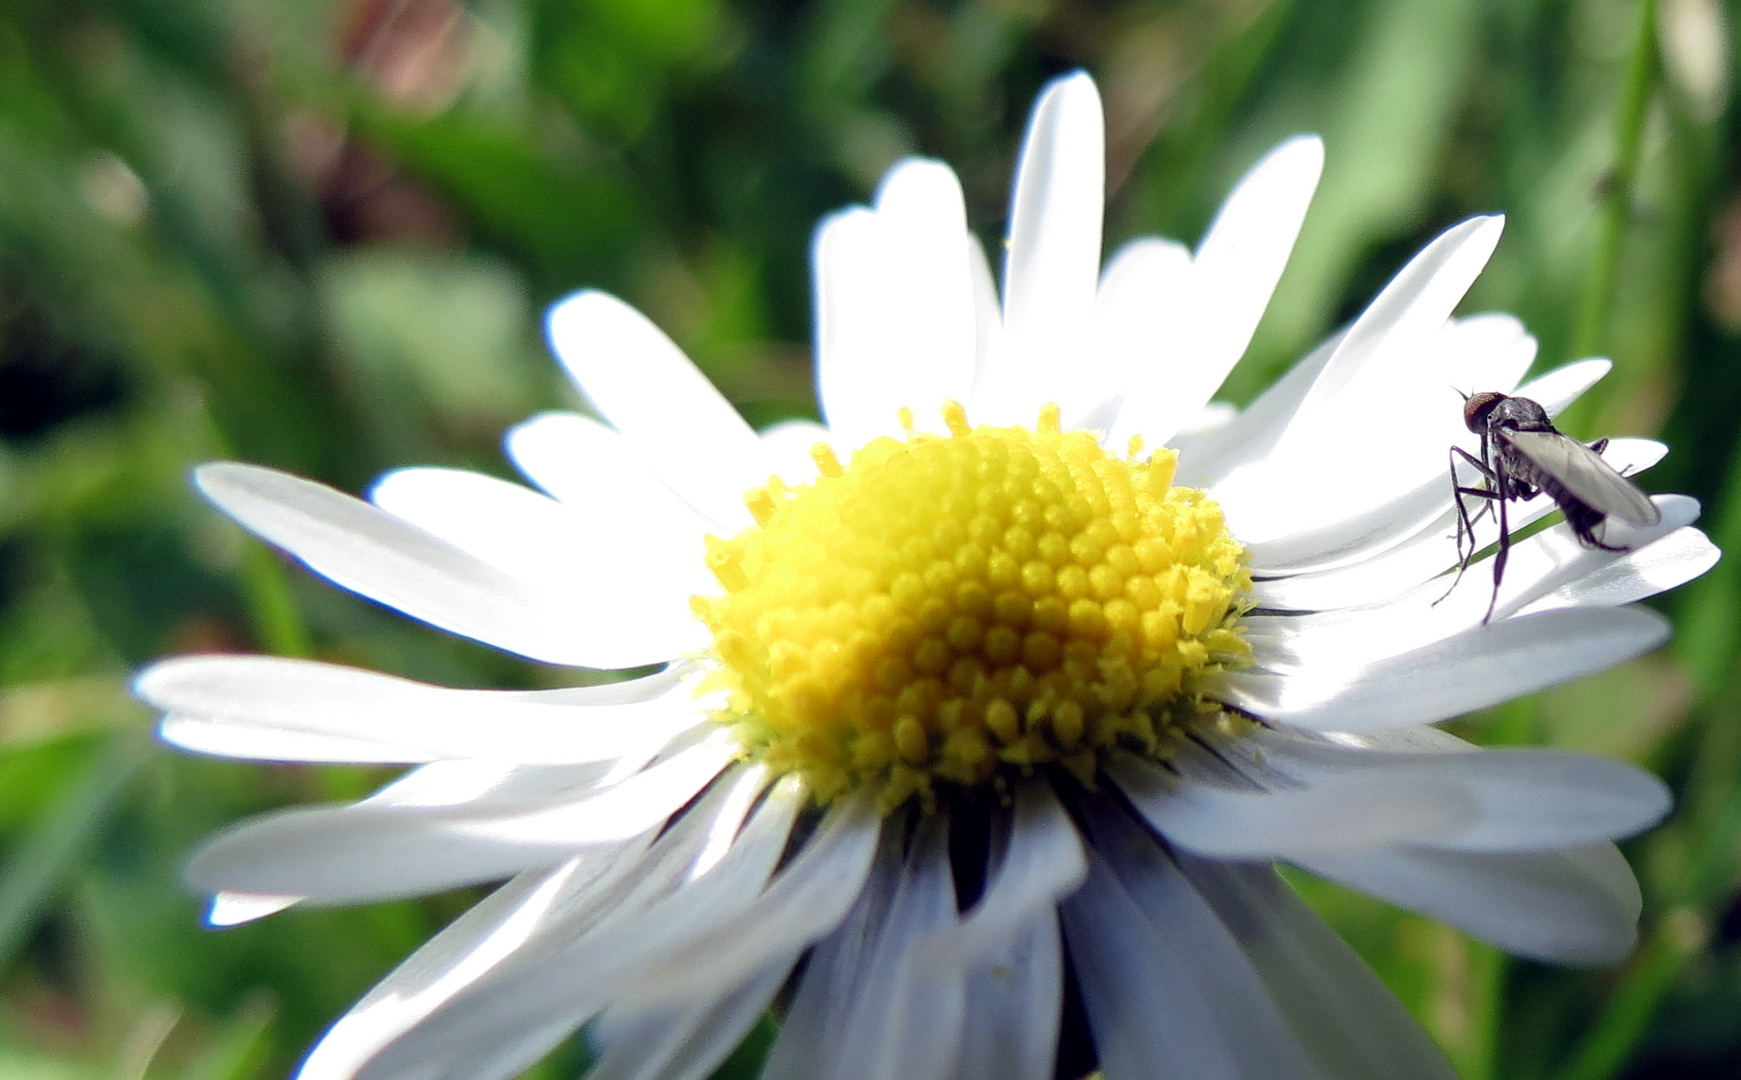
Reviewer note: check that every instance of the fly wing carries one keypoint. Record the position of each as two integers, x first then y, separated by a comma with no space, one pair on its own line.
1583,473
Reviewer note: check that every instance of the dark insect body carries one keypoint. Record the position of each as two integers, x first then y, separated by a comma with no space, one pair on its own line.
1523,455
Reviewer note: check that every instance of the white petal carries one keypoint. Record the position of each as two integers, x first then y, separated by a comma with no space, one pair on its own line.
497,786
680,899
1578,906
222,738
234,909
1166,1000
1348,1022
1533,798
636,579
686,1042
895,320
371,552
1052,259
648,390
526,1005
1511,798
468,948
374,850
594,469
1134,310
1491,350
789,444
907,1020
1252,434
1450,677
1014,1008
1565,384
922,204
1411,311
851,271
261,706
509,1055
815,1027
808,898
1554,558
1210,956
1675,559
1232,276
988,323
1210,419
1044,863
1369,809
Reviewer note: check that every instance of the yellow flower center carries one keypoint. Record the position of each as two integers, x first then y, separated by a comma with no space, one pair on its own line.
951,609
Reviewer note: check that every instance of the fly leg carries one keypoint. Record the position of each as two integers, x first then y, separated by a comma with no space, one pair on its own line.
1502,554
1466,521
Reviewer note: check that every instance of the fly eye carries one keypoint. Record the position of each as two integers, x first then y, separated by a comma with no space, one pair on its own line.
1477,407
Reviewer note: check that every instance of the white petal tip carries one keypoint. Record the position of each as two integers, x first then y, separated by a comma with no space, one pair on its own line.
236,486
1074,97
148,682
1303,153
1479,232
832,226
1655,800
1070,82
920,171
567,317
234,909
169,732
214,477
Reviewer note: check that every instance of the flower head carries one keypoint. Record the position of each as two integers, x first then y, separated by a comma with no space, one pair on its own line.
1018,674
958,610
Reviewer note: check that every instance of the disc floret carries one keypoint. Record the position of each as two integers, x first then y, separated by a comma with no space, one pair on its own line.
953,608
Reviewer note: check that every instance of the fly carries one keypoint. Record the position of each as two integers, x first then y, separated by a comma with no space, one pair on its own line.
1523,455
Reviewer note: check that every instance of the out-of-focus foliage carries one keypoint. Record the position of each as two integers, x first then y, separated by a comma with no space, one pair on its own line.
319,235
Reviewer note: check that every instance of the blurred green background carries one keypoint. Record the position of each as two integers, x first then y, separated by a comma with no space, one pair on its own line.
319,234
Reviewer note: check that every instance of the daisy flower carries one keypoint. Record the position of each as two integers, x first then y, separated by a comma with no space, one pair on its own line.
982,713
